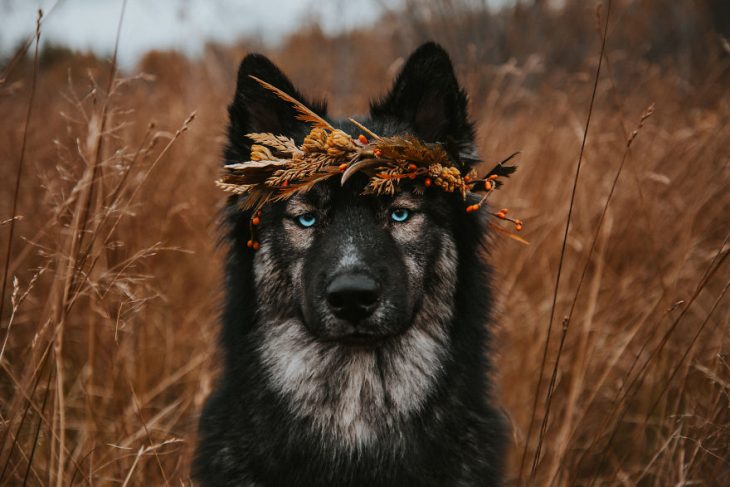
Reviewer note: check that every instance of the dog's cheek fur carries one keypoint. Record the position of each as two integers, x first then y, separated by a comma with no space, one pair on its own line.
417,253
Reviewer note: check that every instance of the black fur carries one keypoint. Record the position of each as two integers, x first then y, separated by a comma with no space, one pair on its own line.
249,435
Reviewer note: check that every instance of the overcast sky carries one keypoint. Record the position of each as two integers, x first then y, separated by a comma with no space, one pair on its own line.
172,24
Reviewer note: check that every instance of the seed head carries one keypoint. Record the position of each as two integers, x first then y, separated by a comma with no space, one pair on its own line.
315,141
261,153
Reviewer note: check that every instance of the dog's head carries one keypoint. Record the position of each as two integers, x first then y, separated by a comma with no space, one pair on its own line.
352,268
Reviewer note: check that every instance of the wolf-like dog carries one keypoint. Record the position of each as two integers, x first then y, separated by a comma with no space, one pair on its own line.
355,340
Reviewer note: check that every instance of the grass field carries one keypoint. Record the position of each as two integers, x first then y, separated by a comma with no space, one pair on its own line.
109,318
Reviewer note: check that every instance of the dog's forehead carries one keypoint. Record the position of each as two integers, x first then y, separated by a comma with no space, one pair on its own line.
319,196
383,126
327,195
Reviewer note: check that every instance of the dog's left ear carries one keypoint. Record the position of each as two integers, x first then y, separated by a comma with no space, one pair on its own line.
256,109
427,97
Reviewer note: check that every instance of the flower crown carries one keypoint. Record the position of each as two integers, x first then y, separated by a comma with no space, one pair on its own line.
279,169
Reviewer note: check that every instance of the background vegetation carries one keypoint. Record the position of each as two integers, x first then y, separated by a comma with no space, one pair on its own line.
108,322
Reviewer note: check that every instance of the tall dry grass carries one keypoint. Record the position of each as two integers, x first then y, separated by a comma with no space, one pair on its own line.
109,323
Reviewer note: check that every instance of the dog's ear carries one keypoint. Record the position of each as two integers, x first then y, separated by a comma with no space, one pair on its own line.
256,109
427,97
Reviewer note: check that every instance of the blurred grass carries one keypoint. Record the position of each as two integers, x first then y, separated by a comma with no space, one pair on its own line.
111,326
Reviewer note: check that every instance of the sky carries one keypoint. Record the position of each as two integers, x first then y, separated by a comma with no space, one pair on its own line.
185,25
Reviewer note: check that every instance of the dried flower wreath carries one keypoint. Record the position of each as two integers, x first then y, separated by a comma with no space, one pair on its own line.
279,169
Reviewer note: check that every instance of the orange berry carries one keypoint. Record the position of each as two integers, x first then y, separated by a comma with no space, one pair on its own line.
249,244
488,185
518,226
427,182
412,167
342,167
492,177
377,152
285,184
256,246
504,210
255,220
363,140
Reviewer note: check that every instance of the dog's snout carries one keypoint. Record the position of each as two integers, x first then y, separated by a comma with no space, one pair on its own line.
353,296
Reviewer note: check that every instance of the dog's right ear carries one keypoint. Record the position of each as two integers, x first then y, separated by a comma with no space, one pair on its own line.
426,95
256,109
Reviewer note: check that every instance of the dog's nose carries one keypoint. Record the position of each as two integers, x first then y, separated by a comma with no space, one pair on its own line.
353,296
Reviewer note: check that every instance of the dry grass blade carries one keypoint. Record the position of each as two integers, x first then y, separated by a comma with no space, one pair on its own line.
508,234
38,428
589,257
255,167
19,169
20,53
304,113
634,384
364,129
683,358
536,458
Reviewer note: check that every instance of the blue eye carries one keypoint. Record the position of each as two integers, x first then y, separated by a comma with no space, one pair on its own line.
400,215
306,220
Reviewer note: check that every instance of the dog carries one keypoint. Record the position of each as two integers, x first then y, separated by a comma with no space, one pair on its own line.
355,340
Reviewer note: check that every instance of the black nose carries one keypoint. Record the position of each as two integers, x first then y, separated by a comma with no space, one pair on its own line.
353,296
